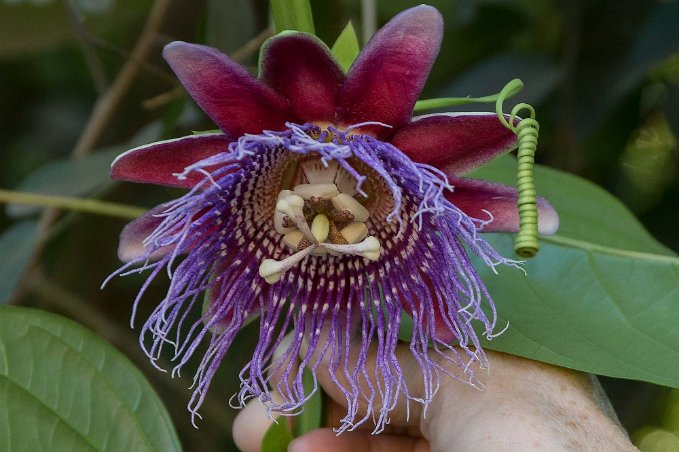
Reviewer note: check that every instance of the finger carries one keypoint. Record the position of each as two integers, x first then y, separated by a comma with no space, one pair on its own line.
406,413
326,439
335,412
252,423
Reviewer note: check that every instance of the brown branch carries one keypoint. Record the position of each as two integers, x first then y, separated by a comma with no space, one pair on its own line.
93,62
162,99
102,114
126,56
251,46
107,104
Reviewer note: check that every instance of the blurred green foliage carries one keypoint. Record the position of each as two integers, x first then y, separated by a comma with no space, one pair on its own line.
603,75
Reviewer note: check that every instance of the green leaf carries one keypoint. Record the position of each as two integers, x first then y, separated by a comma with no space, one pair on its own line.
601,296
64,388
310,418
66,177
346,48
594,311
292,15
278,437
16,244
587,212
405,327
77,177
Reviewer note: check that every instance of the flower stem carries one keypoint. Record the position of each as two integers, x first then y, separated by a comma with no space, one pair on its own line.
511,89
292,15
369,16
94,206
443,102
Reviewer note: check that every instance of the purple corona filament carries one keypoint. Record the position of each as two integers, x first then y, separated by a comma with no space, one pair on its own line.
327,300
323,208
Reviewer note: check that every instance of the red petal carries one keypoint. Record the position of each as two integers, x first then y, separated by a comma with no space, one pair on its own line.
132,237
478,198
237,102
389,74
459,142
156,163
301,67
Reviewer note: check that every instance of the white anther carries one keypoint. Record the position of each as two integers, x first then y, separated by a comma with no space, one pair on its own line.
354,232
320,227
369,248
278,215
271,270
292,239
344,201
306,191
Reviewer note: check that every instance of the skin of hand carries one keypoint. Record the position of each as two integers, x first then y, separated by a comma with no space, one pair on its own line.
525,406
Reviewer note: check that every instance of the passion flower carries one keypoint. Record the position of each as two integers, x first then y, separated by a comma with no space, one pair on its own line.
325,209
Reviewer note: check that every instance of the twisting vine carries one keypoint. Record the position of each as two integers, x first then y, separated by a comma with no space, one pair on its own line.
526,129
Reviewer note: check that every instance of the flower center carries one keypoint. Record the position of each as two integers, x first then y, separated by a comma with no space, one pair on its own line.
318,219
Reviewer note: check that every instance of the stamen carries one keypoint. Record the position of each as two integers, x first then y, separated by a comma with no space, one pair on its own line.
317,218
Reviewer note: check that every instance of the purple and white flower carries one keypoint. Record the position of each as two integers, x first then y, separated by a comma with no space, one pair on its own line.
328,211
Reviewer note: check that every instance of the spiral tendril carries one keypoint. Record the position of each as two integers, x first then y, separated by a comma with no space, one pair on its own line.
526,129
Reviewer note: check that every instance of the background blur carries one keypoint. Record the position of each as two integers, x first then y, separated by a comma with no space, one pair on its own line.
83,80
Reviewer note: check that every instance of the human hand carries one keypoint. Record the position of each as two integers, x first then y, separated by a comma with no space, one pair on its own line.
525,405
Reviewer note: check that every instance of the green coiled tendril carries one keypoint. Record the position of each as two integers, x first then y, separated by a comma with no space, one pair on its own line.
526,129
